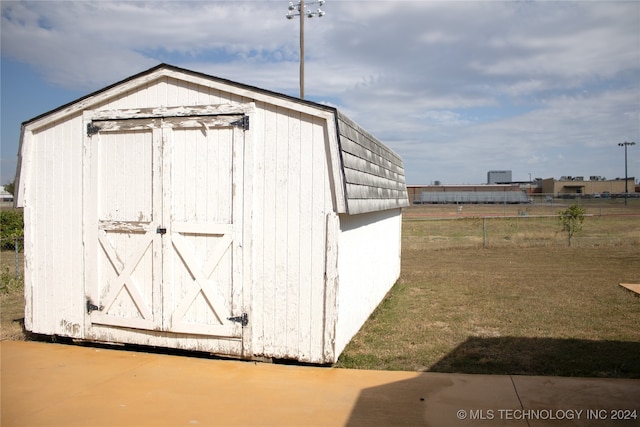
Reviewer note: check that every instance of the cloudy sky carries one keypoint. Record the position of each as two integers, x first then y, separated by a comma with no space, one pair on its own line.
457,88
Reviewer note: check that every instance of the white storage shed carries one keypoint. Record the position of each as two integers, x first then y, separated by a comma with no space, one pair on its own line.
176,209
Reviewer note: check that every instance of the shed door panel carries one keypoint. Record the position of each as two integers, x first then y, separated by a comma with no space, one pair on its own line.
202,290
125,254
162,225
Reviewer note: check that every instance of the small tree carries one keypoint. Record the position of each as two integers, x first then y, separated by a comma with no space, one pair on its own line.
571,220
10,187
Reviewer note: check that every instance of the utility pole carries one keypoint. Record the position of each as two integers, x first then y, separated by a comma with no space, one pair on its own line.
626,180
302,12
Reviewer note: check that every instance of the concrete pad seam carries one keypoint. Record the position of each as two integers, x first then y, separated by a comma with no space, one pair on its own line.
515,389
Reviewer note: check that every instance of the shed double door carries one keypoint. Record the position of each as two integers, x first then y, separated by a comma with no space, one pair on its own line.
162,225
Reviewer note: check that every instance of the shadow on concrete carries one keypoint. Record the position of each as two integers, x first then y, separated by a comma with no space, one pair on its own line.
435,399
544,374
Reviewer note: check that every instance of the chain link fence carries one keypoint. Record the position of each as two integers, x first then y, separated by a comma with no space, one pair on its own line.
517,227
11,257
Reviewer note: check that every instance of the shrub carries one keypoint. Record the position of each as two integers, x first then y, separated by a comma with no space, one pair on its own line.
11,228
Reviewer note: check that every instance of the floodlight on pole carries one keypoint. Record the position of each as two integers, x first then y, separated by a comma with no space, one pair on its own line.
301,10
626,179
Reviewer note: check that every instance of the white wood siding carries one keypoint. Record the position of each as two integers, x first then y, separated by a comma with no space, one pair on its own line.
53,221
368,266
166,91
291,199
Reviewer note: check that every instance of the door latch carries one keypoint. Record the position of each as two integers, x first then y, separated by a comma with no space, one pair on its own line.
161,230
243,319
92,307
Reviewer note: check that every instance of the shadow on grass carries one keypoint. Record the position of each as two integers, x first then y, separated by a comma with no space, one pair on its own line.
540,369
543,356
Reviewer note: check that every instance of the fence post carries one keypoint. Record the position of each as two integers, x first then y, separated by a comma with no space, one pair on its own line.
484,232
15,249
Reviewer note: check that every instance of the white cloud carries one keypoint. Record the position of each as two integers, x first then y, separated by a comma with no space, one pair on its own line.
92,43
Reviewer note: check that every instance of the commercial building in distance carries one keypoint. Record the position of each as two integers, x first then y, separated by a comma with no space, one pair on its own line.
595,186
497,193
522,191
499,177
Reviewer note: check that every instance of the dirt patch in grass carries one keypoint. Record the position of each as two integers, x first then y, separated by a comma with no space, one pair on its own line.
509,309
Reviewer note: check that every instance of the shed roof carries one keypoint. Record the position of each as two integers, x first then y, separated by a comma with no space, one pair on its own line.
372,175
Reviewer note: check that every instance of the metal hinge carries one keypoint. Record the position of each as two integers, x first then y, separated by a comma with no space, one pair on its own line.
92,307
242,319
91,129
242,123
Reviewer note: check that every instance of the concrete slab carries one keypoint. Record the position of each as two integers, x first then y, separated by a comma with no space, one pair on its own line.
633,287
64,385
579,401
